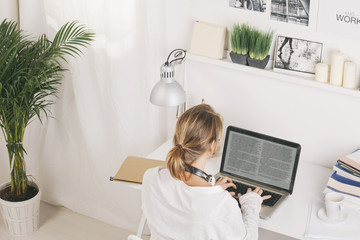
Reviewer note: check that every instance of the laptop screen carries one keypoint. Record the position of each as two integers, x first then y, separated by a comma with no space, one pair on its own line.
260,158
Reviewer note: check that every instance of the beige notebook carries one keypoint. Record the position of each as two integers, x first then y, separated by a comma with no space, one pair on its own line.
133,169
208,40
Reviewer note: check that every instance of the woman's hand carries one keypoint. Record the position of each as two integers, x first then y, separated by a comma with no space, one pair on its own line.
258,191
225,183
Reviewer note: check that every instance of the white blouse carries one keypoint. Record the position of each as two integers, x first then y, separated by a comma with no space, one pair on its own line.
177,211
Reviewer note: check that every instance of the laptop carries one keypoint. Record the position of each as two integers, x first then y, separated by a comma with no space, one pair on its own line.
257,160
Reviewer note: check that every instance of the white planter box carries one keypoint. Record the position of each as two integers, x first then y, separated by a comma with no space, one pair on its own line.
21,218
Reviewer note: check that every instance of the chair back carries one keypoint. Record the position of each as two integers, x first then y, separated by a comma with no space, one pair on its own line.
133,237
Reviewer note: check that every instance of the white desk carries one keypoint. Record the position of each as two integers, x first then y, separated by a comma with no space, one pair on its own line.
291,218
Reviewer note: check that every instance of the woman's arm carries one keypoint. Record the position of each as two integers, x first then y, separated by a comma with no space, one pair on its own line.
250,206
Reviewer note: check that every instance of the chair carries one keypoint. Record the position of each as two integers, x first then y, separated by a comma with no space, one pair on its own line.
133,237
140,230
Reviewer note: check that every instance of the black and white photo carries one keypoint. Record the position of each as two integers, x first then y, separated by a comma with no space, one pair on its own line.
253,5
291,11
299,55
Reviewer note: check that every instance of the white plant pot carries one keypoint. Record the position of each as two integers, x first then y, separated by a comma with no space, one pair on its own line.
21,218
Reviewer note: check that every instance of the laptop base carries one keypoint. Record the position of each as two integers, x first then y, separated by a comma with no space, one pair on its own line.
266,211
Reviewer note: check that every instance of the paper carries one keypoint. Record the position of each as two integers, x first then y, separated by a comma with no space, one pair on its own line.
346,230
133,169
339,18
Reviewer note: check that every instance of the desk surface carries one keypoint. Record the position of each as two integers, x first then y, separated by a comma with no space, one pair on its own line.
291,218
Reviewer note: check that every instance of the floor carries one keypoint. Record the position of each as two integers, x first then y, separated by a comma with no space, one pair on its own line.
58,223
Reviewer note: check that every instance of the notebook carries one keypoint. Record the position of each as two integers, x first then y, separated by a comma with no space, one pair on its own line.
259,160
133,169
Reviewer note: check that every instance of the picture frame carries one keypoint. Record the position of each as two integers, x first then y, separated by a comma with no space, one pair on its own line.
251,5
296,12
296,55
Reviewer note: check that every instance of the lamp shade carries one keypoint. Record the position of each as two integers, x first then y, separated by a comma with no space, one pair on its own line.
167,92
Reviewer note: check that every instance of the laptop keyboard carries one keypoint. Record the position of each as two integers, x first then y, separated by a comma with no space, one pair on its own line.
242,189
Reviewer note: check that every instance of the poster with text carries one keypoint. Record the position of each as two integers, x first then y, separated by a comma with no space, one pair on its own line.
339,18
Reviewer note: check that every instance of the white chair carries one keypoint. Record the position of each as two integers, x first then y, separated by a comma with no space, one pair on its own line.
140,229
133,237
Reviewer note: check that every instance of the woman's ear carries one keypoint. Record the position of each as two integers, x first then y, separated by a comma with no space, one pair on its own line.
213,147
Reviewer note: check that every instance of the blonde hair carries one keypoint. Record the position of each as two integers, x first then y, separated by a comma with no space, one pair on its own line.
196,129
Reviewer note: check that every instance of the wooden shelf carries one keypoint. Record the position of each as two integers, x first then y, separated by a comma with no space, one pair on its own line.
305,80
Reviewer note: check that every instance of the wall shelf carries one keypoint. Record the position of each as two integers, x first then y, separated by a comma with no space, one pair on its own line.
305,80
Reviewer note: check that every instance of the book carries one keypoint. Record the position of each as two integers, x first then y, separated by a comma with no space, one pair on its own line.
133,169
345,173
352,160
344,185
348,168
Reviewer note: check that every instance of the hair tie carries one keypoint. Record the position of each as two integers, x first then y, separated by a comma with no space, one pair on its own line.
180,146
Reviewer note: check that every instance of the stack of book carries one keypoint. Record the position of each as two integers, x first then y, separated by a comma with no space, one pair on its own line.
346,179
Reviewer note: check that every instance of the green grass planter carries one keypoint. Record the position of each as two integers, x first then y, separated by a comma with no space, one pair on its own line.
240,43
250,46
238,58
259,46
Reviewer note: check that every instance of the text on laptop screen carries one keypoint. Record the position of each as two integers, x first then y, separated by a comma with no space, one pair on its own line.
260,160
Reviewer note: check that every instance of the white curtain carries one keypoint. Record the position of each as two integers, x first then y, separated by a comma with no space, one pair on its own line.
103,112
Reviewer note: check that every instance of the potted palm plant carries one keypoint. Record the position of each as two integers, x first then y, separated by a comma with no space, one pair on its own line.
259,46
30,75
240,43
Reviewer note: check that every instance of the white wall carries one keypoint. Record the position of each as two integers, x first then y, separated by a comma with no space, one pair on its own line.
325,124
182,14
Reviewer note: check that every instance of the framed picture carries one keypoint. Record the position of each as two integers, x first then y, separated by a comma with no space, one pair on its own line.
252,5
297,55
294,11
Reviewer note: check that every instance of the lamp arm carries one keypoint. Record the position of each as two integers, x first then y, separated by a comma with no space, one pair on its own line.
180,109
179,56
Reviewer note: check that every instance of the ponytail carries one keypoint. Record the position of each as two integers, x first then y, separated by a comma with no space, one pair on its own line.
175,162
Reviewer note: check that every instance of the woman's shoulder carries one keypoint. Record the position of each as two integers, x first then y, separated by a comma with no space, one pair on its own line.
154,169
155,173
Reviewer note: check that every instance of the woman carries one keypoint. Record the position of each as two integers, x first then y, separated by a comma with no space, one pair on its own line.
181,201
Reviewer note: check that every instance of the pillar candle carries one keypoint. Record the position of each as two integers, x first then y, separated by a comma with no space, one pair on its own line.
336,68
349,80
322,72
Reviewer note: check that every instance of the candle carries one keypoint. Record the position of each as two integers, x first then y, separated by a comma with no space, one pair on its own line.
322,72
350,80
336,68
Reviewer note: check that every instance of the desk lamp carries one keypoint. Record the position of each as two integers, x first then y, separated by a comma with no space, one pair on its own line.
168,92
